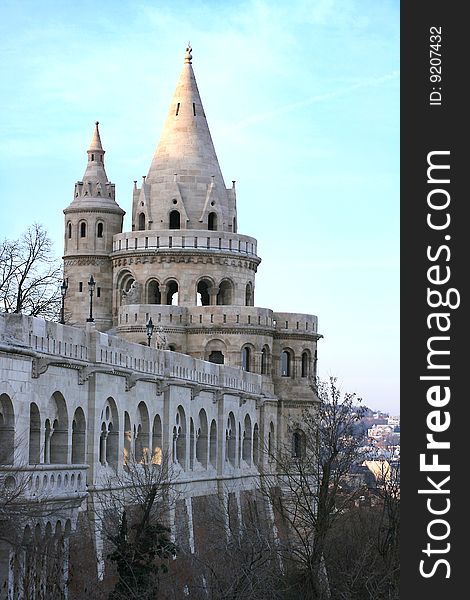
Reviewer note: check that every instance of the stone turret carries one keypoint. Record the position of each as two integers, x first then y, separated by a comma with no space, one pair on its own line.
91,221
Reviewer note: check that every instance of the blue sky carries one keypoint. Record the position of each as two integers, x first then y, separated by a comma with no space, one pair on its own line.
302,99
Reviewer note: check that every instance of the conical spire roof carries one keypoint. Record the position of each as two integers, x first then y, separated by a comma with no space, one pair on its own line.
186,143
95,171
95,190
185,156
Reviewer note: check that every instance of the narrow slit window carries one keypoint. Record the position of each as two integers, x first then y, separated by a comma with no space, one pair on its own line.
194,109
177,108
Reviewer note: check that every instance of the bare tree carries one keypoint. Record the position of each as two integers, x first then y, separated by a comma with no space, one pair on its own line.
134,522
310,474
29,275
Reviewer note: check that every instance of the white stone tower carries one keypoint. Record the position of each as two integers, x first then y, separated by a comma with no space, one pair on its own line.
91,221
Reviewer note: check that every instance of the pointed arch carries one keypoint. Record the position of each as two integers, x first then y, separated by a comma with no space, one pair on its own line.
202,440
213,444
249,300
127,439
179,437
157,450
7,430
256,448
34,434
58,441
78,437
231,439
142,424
305,364
141,224
247,452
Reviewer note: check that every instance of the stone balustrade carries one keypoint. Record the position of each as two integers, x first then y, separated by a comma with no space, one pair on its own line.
185,239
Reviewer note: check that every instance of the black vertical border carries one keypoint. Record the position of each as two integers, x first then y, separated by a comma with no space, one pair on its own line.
426,128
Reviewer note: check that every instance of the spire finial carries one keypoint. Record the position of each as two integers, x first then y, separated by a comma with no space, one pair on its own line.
188,56
96,140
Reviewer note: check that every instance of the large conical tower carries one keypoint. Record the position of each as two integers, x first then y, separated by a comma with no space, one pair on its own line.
184,249
91,221
184,187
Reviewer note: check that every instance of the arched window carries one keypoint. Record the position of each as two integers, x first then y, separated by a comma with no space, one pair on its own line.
69,231
246,444
285,364
141,222
271,441
157,452
99,230
264,361
256,444
179,437
201,442
57,440
172,293
231,439
142,454
175,220
82,229
249,294
212,221
305,364
7,430
34,434
78,437
127,439
246,358
202,293
153,293
224,297
213,444
298,444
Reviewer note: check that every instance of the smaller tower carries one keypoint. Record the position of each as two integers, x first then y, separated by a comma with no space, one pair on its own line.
91,221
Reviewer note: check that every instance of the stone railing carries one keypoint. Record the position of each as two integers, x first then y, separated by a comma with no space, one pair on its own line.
52,340
197,316
295,323
46,481
187,239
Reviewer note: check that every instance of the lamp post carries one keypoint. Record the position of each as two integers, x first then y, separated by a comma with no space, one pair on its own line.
63,291
149,326
91,287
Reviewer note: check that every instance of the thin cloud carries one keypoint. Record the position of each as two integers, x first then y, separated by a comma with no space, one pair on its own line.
264,116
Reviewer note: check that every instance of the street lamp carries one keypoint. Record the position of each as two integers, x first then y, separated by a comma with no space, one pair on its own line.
91,287
63,291
149,326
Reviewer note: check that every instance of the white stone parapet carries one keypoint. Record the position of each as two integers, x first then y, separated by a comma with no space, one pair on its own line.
286,322
185,239
59,342
197,316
